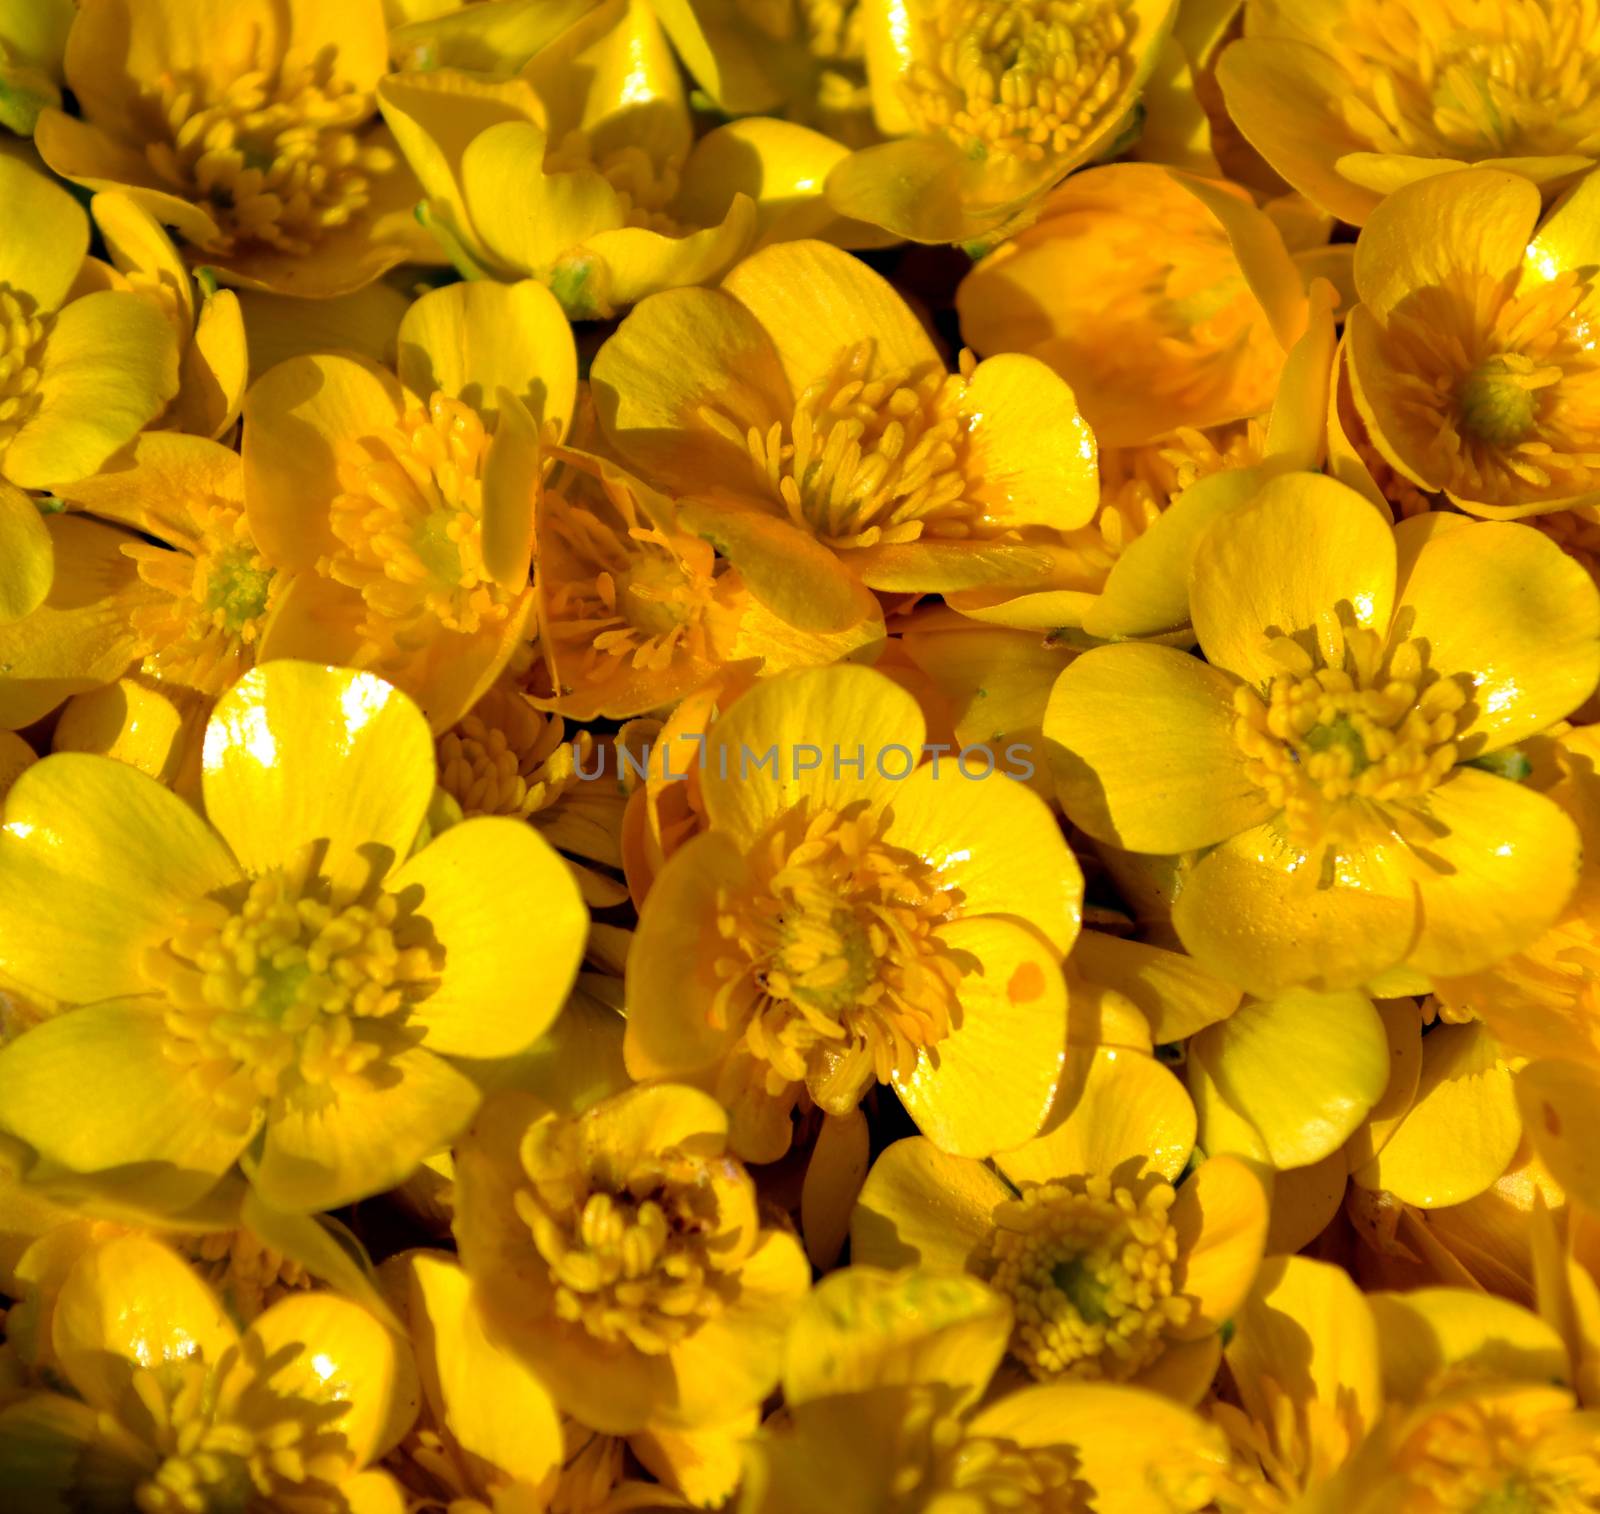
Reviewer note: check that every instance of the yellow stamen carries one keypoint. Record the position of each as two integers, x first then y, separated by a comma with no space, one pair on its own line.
22,334
507,758
647,185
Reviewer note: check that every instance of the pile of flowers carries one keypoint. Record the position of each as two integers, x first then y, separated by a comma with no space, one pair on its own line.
800,756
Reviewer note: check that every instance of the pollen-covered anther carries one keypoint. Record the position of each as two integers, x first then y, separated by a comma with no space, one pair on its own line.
289,982
1370,725
831,961
22,333
507,758
1088,1267
871,458
410,522
1020,80
278,160
642,1255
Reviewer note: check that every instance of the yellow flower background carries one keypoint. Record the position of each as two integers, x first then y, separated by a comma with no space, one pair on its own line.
800,756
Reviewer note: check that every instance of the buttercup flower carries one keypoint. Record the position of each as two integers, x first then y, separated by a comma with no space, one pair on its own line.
1111,1276
837,452
884,1378
620,1255
1471,355
287,989
1353,99
828,932
990,104
80,373
250,131
33,38
403,508
177,1410
1327,754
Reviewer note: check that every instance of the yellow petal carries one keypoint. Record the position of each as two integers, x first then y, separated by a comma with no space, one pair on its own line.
1305,1201
1173,992
132,1302
157,483
513,472
862,1328
1132,1111
110,365
1221,1220
921,1207
1558,1101
641,1122
214,370
137,243
501,985
705,1465
1497,866
989,1084
495,1408
441,37
1431,1331
1266,915
1143,750
913,188
96,863
112,1058
631,262
834,1175
297,754
41,261
27,559
1404,1028
279,326
325,1150
1303,1068
845,301
331,1353
1504,605
1306,546
16,757
471,340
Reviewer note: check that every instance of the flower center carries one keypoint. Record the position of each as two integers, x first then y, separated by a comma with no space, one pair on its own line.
22,334
507,758
1088,1268
248,1273
1374,727
290,984
644,1255
230,1442
278,161
869,460
1450,78
1019,80
1502,394
410,520
215,591
833,960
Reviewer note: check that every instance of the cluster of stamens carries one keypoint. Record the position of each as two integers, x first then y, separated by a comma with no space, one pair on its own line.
289,982
869,457
215,594
22,333
410,520
1372,726
831,963
507,758
647,185
247,1272
278,160
1019,80
1088,1267
642,1256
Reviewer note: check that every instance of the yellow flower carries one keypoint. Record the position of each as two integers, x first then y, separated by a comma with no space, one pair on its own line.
835,451
991,102
250,130
1111,1275
1165,300
1333,756
491,1437
166,578
33,39
402,508
80,373
27,555
884,1383
213,364
287,990
574,172
178,1410
620,1255
837,927
1471,355
1352,99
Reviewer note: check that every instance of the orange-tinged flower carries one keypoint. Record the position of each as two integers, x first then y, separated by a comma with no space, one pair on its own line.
832,929
249,128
